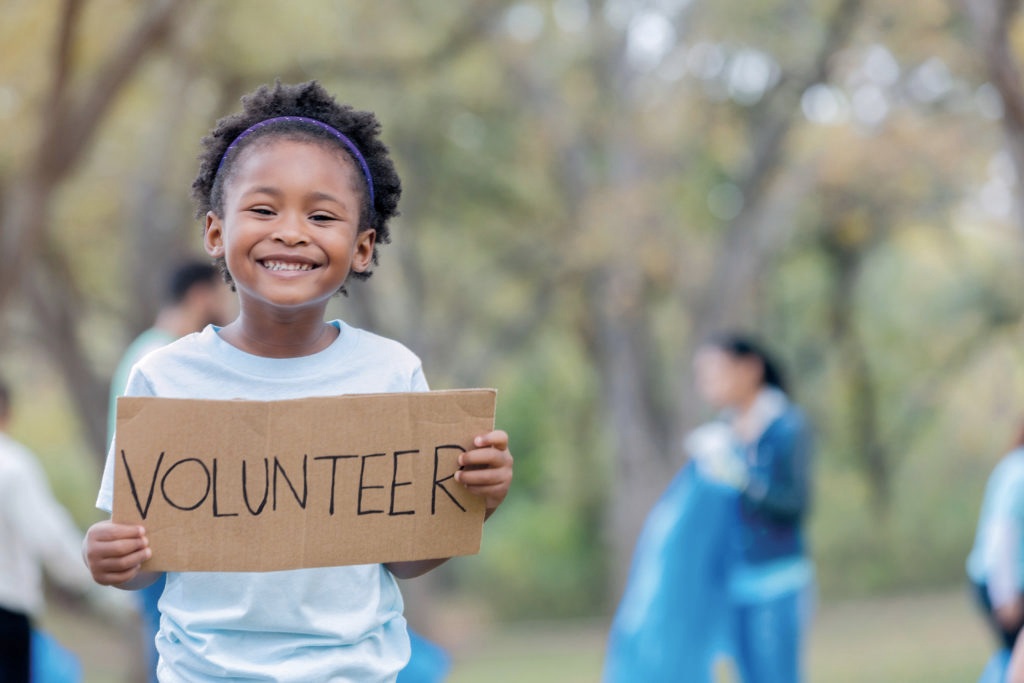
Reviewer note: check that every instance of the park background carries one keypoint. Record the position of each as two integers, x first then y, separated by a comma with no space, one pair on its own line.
591,187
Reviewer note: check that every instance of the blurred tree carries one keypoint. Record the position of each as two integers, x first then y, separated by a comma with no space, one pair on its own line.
31,263
994,22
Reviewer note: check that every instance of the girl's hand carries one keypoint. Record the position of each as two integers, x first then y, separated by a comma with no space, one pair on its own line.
487,469
114,553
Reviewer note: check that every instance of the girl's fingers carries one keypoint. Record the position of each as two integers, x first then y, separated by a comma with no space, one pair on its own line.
482,477
111,560
485,457
116,578
120,565
109,531
496,439
121,548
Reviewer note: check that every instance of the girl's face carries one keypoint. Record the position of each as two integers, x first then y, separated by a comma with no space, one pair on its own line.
725,380
290,230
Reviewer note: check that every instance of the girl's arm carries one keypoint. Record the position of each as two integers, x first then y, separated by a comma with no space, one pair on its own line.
485,471
412,569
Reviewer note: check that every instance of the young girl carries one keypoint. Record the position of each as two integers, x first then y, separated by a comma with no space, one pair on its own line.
296,191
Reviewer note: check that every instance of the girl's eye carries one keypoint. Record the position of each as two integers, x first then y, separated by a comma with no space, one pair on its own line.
322,218
261,210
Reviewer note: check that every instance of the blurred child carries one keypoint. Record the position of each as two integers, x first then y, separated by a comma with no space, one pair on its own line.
297,192
36,533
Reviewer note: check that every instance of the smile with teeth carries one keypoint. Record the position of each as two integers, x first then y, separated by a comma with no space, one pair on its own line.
286,265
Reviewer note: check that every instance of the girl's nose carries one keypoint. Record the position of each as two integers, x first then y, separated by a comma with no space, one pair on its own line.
291,231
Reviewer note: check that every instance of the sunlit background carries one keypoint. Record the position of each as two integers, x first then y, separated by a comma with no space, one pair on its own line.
590,188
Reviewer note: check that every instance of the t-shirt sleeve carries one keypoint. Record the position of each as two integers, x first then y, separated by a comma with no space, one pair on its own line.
137,386
419,380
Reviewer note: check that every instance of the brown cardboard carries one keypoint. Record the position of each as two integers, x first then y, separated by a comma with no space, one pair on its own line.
387,458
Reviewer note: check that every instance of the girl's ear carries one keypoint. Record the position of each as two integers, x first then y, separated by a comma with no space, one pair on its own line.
362,255
213,235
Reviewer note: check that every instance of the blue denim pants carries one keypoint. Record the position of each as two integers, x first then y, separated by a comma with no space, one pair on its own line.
769,637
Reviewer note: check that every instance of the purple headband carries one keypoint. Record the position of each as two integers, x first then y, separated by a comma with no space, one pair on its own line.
319,124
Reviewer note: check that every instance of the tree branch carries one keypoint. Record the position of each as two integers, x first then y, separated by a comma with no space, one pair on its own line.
71,133
66,134
992,21
62,54
740,258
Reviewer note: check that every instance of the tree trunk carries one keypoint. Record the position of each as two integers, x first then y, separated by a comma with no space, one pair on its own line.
68,129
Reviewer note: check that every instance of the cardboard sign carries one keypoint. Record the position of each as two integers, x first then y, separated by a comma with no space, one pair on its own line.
270,485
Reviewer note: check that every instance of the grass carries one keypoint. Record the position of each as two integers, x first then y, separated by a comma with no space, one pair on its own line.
938,638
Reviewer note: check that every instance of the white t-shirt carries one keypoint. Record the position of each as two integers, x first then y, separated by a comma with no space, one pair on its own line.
324,624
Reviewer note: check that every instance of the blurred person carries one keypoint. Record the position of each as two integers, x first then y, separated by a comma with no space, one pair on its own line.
995,565
195,296
721,567
761,445
36,535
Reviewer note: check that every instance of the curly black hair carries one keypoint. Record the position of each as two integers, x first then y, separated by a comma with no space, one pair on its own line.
309,100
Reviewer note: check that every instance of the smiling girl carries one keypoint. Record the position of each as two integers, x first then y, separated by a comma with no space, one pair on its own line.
296,192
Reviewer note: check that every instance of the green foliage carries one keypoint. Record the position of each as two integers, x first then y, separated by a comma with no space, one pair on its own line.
545,559
544,546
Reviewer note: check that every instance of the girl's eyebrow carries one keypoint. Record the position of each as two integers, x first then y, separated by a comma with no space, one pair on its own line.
326,196
263,189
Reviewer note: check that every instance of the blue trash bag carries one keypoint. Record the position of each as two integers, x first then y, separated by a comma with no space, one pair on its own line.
672,622
52,662
995,670
428,662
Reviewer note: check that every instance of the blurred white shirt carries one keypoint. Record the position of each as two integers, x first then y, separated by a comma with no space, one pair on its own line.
36,533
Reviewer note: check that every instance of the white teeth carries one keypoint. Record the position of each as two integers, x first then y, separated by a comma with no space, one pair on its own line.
281,265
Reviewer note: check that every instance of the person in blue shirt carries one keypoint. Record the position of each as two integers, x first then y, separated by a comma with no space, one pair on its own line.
768,460
296,192
995,564
721,567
